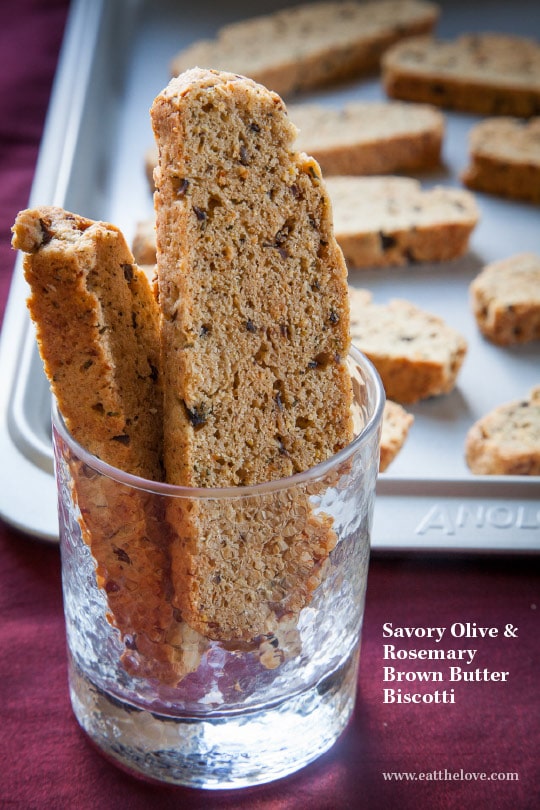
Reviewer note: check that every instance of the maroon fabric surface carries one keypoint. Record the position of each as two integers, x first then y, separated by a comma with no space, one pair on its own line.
45,760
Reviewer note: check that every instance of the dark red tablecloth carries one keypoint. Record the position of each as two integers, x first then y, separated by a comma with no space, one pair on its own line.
493,727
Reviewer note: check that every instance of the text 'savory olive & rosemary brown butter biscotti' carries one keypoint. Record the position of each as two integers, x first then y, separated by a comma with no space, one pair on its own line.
255,335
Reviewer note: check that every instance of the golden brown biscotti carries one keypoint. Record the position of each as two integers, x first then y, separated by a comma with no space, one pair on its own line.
362,138
505,299
144,243
415,352
505,158
297,49
255,334
253,289
128,538
366,138
395,428
485,73
97,330
383,221
506,441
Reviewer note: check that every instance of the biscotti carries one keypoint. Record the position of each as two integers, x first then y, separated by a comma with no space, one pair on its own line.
395,429
363,138
383,221
505,298
300,48
104,365
252,285
97,328
485,73
415,352
506,441
255,334
370,137
505,158
143,245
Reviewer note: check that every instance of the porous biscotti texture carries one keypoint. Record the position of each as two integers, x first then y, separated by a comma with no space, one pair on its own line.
127,536
395,428
486,73
97,330
255,334
415,352
506,441
505,158
370,137
505,299
361,137
253,289
300,48
144,243
382,221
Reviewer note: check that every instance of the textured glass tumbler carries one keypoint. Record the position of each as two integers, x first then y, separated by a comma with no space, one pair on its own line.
171,704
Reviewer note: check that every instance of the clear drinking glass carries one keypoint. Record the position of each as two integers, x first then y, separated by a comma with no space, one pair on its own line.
156,696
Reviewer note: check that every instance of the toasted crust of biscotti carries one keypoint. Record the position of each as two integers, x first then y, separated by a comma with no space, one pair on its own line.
485,73
505,158
383,221
97,328
505,299
366,138
415,352
255,335
395,428
299,48
506,441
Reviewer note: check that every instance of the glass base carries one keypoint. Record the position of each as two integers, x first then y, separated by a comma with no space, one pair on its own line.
214,751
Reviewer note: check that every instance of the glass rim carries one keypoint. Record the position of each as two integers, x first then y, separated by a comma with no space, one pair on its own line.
215,493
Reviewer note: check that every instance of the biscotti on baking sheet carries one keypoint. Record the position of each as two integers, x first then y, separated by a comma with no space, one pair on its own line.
506,441
255,334
504,158
485,73
505,299
395,429
310,45
143,245
415,352
370,137
362,138
97,330
383,221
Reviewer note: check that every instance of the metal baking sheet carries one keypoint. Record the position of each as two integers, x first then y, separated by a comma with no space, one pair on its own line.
114,61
